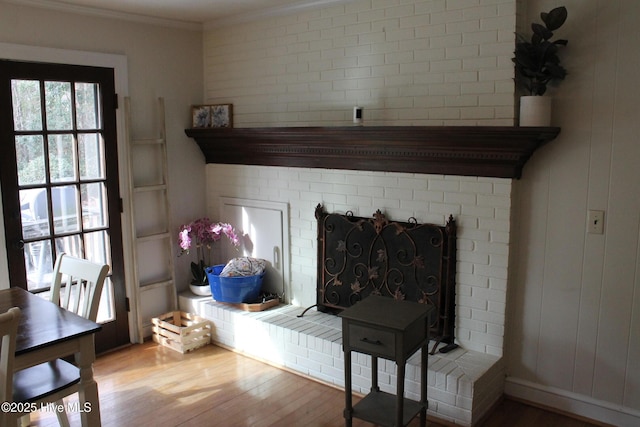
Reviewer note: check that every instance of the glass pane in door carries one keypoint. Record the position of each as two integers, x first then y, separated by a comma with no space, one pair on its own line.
58,105
64,205
71,245
86,105
91,155
105,308
34,213
27,114
30,158
38,263
94,212
99,250
62,155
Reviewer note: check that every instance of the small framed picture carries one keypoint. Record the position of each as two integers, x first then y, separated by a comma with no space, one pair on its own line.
222,116
201,116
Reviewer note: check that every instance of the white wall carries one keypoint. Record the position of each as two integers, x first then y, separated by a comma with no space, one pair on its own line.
572,328
162,62
575,297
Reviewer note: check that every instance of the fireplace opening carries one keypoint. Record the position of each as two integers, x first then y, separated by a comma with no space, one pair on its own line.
359,256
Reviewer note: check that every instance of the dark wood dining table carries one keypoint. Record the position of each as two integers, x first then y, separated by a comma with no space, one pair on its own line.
48,332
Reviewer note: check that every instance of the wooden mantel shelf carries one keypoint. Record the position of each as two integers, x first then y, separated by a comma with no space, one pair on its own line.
491,151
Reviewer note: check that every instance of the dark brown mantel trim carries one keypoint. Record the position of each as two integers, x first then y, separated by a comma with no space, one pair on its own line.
491,151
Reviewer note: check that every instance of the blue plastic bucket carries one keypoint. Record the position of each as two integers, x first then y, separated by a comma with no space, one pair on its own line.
233,289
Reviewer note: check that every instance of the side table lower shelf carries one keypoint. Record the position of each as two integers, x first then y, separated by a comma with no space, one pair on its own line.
379,407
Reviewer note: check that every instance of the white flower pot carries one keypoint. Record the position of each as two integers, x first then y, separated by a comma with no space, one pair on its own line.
202,291
535,111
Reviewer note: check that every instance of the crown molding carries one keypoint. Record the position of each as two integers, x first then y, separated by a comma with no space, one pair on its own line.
271,12
110,14
240,18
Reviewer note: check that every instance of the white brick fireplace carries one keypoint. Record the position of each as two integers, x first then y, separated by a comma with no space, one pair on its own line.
413,63
481,207
462,384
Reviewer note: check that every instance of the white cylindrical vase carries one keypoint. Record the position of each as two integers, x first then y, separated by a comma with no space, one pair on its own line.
535,111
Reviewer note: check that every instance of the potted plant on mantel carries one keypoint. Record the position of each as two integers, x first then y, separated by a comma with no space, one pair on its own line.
536,65
202,233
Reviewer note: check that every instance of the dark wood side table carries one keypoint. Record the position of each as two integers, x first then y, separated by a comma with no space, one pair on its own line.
393,330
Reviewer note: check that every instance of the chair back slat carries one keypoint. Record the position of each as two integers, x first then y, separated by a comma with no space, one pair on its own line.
65,297
83,286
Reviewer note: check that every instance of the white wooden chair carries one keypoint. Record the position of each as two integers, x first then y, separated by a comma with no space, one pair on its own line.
42,383
8,332
45,384
83,281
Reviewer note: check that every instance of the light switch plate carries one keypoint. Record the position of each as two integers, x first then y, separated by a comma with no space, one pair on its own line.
595,222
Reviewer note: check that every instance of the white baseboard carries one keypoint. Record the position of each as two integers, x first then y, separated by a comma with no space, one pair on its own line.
578,404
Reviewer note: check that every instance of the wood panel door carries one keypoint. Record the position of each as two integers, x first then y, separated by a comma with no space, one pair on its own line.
59,179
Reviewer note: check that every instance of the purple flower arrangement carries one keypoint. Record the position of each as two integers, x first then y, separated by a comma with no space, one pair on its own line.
201,234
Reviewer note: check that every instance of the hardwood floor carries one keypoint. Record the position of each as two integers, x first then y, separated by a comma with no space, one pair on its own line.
151,385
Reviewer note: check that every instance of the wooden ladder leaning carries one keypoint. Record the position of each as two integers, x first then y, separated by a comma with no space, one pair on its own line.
153,250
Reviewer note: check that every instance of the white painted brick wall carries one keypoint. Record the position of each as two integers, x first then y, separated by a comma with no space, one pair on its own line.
476,204
420,62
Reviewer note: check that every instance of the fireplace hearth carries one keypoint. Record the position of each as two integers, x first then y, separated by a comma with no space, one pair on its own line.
358,257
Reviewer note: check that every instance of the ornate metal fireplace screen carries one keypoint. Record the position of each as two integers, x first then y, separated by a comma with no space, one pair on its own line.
358,257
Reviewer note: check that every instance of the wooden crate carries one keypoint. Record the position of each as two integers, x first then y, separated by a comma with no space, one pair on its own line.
181,331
